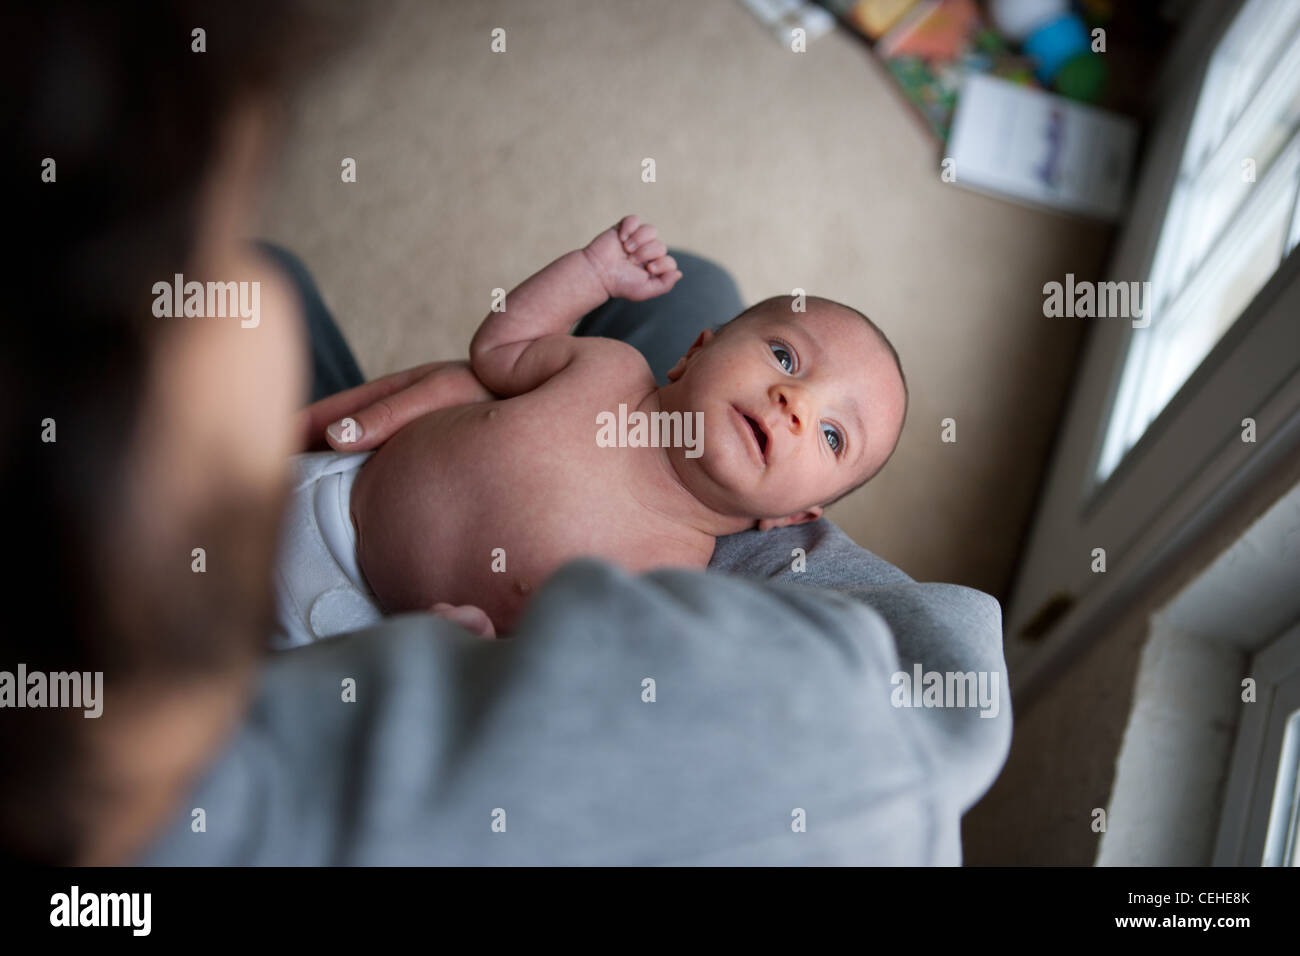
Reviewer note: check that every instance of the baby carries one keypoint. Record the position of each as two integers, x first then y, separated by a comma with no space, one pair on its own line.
470,508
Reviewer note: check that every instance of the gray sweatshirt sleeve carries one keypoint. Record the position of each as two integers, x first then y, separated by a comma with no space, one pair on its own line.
671,718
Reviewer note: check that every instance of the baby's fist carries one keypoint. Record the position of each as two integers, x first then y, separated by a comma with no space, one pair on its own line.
631,261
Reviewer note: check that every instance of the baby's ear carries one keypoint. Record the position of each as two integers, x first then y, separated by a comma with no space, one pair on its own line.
799,517
703,339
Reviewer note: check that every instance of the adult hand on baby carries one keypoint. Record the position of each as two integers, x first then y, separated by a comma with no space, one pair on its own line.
631,262
376,410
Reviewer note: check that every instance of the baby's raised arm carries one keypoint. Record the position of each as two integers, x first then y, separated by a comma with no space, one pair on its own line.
518,349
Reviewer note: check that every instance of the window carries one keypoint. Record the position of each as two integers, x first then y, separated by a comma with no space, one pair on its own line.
1231,220
1282,846
1260,820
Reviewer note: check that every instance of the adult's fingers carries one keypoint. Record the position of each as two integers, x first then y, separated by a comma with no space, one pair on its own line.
316,416
453,383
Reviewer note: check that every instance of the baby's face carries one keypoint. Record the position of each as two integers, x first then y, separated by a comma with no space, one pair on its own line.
798,408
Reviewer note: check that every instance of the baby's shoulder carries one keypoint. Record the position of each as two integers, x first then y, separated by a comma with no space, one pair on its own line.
597,359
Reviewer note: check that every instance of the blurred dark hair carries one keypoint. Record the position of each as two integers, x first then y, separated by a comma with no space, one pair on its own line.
133,119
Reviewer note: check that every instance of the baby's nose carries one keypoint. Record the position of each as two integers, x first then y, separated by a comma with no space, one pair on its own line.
793,402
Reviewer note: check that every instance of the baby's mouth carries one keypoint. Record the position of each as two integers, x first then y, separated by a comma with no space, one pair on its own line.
760,436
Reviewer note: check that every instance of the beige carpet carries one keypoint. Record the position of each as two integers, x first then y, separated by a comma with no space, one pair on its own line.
793,170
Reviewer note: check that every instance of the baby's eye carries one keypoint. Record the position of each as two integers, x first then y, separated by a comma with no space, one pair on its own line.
832,438
784,357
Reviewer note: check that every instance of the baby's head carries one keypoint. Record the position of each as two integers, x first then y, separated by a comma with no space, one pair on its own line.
800,408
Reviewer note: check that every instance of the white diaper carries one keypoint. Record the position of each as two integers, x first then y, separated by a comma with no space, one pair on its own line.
319,588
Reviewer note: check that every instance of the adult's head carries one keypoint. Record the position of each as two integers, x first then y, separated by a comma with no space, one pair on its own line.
130,439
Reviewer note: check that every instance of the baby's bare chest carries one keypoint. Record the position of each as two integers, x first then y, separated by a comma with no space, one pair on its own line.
508,492
528,464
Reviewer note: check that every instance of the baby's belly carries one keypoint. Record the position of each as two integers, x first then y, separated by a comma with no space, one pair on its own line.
478,505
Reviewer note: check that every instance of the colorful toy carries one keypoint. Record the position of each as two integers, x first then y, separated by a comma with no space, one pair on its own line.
1057,40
